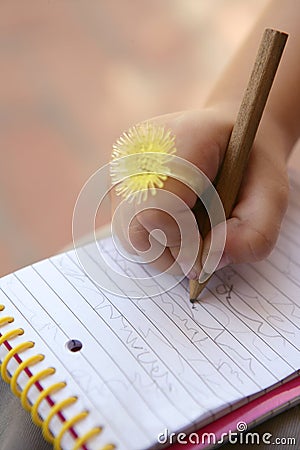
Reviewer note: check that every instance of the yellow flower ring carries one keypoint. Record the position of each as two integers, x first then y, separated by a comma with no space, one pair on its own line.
145,140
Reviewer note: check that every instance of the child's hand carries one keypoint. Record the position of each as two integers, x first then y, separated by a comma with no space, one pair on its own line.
252,230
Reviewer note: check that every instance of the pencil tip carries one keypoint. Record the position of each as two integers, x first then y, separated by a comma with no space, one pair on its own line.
195,290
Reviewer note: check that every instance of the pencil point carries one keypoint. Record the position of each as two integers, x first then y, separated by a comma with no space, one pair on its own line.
195,290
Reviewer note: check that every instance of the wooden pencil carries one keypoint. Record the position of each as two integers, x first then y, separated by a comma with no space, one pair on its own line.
235,161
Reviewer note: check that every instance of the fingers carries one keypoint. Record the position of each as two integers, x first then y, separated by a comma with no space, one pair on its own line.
141,241
157,239
179,234
201,138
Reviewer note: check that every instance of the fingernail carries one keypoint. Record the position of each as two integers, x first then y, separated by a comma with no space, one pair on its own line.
224,261
204,276
192,275
189,270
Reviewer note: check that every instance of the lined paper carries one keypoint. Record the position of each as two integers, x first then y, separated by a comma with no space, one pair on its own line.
155,363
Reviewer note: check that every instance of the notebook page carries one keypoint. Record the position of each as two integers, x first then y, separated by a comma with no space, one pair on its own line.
159,363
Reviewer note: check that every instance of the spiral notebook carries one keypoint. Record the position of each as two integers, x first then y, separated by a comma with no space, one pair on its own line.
101,371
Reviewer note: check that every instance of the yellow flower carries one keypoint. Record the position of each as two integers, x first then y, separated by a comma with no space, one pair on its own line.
153,147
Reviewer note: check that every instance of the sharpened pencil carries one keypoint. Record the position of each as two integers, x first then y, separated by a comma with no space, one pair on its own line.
235,161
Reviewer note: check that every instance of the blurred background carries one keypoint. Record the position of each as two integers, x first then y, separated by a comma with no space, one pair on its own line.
74,75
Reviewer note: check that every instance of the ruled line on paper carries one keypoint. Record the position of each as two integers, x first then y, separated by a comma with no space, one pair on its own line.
117,371
205,307
41,338
127,323
272,302
253,317
173,323
61,355
279,292
274,379
264,303
236,346
172,345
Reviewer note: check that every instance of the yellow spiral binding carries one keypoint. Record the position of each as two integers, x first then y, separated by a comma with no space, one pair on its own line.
11,334
31,361
32,380
57,408
82,440
45,393
17,349
5,320
54,410
66,426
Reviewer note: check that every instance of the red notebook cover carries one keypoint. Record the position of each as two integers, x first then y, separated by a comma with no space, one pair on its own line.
229,426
